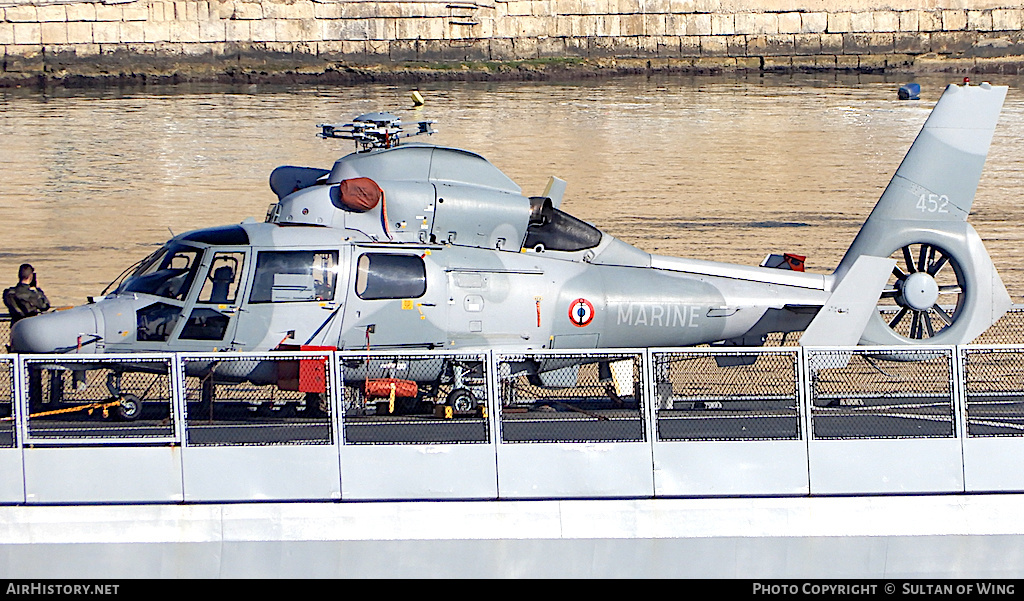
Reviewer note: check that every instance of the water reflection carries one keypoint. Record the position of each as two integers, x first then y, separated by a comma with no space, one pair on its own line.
725,168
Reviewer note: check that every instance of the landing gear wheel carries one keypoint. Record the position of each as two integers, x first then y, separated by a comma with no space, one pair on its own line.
461,400
925,283
130,408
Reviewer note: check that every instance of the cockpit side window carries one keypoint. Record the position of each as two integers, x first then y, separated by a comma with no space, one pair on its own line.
169,274
221,284
387,276
295,276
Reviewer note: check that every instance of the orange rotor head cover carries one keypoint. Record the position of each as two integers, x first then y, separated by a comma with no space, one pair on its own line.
360,193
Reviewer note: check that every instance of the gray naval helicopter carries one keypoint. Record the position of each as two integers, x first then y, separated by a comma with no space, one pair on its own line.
408,246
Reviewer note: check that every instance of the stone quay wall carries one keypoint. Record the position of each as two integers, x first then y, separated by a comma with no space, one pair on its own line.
217,38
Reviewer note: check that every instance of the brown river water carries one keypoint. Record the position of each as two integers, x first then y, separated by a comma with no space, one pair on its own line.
719,168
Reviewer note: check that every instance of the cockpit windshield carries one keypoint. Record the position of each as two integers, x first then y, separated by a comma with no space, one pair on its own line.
167,273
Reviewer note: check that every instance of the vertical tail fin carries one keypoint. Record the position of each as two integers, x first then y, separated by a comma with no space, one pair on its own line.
944,288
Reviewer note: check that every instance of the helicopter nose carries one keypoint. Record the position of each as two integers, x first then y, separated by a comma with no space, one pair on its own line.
57,332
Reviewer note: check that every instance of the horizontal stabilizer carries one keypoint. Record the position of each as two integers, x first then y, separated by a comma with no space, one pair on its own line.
844,316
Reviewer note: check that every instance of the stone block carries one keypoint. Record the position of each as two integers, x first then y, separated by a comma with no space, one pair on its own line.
79,32
302,9
868,43
789,22
501,49
106,32
954,20
53,33
909,20
1007,19
80,12
912,42
212,31
51,13
862,22
27,58
373,48
952,42
723,24
568,7
221,9
407,29
831,43
21,14
716,64
631,25
237,31
181,32
155,31
825,61
712,46
108,13
683,6
806,43
748,63
586,26
929,20
380,28
885,21
840,22
132,32
803,63
698,24
566,26
297,30
134,13
517,8
757,23
247,11
692,45
6,34
524,48
655,25
575,47
813,22
403,50
348,29
609,26
782,44
626,7
777,63
328,10
551,47
737,45
670,46
979,20
847,62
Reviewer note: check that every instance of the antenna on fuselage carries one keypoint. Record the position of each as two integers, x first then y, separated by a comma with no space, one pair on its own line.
374,130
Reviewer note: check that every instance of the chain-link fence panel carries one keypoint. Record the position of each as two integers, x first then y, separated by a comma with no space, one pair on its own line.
994,388
868,393
586,397
258,400
7,431
5,333
415,399
96,399
734,395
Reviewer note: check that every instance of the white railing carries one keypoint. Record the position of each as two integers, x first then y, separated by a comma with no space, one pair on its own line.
623,423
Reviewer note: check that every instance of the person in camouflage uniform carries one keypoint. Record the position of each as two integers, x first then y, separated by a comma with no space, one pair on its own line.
26,298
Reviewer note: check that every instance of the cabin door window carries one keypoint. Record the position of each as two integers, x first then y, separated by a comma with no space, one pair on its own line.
217,300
